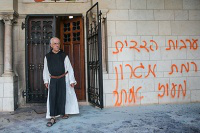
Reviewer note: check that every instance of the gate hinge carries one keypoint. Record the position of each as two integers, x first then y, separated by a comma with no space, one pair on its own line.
23,25
23,93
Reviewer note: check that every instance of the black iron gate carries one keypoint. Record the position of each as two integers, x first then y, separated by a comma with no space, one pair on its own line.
94,56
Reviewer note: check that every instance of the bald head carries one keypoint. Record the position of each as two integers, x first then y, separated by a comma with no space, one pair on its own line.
55,44
54,38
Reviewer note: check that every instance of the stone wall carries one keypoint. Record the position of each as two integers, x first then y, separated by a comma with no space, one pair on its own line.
153,48
19,58
153,52
1,46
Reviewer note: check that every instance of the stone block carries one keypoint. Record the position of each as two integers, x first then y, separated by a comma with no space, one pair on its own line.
155,55
1,104
111,28
131,41
117,15
161,81
105,76
184,38
178,81
111,56
164,28
108,4
112,76
173,4
173,75
8,104
115,39
171,98
46,8
155,4
8,90
185,28
195,95
141,15
173,54
7,79
6,5
149,98
191,54
109,100
146,85
163,66
109,86
123,4
126,28
181,14
110,67
191,4
109,39
138,4
164,15
147,27
143,55
125,68
193,83
194,14
160,40
1,89
126,55
21,45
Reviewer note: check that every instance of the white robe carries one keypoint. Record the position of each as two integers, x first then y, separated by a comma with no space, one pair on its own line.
71,106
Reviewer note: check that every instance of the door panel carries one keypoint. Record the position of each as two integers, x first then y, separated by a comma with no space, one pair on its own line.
71,35
40,30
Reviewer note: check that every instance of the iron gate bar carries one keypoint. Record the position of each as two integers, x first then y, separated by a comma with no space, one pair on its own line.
94,59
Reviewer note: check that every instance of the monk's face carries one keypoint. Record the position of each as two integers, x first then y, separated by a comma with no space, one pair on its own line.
55,44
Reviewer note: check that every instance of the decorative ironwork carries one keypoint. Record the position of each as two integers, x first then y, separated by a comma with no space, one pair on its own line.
39,30
94,57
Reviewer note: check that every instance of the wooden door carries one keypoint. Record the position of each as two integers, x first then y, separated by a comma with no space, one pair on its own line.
39,32
72,42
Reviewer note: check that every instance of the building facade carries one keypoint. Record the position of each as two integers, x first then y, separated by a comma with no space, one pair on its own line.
149,50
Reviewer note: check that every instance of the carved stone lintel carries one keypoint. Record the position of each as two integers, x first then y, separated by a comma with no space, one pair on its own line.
9,16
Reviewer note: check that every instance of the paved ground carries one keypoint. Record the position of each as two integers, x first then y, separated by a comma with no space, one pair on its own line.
172,118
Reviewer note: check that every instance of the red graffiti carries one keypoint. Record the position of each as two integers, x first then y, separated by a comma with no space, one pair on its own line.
141,66
186,67
133,95
119,45
175,44
173,90
132,98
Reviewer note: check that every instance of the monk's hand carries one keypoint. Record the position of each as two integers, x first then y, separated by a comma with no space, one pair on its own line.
46,85
72,84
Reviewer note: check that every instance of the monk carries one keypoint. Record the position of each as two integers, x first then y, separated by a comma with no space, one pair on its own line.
58,76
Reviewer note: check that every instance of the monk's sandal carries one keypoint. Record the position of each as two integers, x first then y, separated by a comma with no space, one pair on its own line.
51,122
65,116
